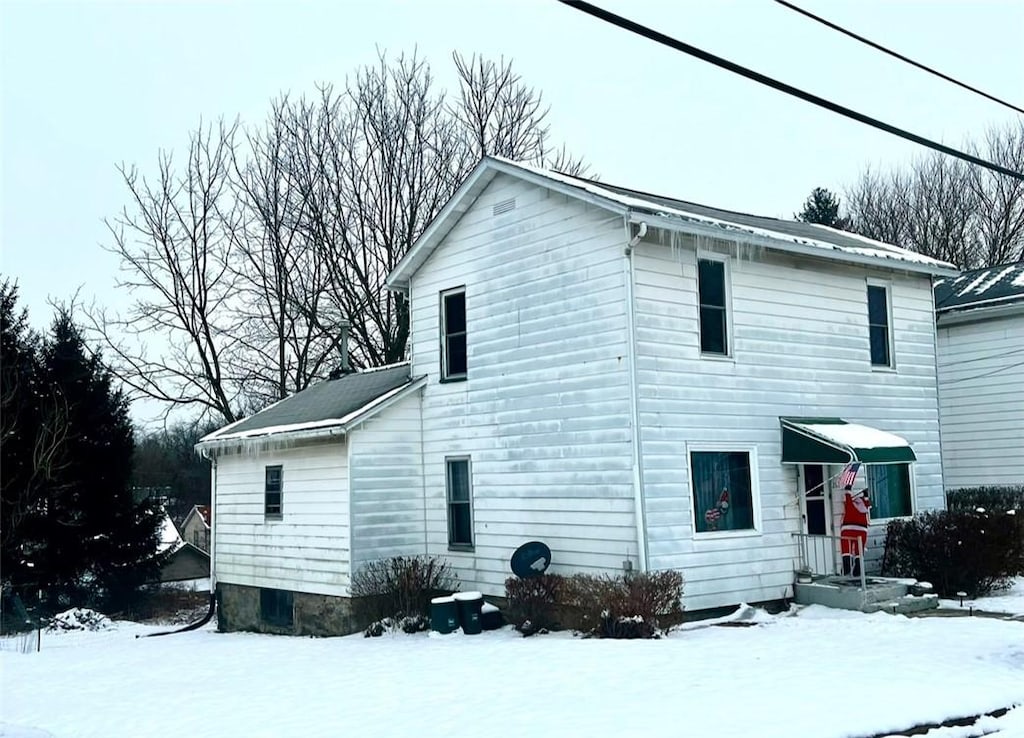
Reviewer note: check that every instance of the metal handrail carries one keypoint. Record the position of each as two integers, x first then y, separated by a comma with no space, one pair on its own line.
814,550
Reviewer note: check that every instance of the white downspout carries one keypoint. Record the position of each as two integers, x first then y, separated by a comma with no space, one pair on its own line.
639,505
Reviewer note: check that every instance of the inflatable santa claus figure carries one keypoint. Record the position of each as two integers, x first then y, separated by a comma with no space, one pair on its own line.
854,529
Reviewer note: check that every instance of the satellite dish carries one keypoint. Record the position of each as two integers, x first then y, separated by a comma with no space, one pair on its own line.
531,560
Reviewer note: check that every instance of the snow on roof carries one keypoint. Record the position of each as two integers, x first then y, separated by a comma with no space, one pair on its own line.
806,234
170,539
857,436
987,287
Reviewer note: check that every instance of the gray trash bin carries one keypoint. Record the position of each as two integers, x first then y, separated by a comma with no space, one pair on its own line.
469,605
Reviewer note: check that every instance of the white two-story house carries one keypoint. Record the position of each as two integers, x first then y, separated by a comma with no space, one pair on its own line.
598,369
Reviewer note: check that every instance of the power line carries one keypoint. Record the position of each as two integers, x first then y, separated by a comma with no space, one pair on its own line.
899,56
718,61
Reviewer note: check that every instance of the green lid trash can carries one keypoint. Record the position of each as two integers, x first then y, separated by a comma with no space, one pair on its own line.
444,615
469,605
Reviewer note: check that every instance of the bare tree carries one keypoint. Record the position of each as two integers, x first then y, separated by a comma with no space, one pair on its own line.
175,244
1001,199
947,209
252,261
502,116
283,279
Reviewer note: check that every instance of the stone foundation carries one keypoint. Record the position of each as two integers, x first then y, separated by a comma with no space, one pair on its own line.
239,608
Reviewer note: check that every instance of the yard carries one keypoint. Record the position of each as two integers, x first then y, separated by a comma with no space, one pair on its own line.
811,672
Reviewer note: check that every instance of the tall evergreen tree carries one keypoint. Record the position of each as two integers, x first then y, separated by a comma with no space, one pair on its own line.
822,207
88,540
24,444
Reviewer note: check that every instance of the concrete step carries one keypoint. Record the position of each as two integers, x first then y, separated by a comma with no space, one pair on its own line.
903,605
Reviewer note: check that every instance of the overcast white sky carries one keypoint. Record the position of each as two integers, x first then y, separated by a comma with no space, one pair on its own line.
87,85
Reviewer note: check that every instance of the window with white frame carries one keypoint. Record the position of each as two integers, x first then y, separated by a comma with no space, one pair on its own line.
879,325
460,503
714,311
453,335
722,489
273,491
889,490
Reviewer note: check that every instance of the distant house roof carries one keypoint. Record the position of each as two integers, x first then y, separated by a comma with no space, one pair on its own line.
203,512
333,405
991,287
665,212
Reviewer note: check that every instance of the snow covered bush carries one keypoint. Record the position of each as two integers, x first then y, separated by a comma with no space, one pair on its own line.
631,605
79,618
973,550
408,624
533,602
400,586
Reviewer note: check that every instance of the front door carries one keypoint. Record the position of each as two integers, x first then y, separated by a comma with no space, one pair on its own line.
816,492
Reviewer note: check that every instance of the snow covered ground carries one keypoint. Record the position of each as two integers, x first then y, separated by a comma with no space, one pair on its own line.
815,673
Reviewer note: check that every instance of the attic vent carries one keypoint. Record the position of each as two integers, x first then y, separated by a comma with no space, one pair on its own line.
505,206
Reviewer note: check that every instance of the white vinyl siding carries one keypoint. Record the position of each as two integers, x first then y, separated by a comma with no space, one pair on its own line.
981,394
386,478
800,340
306,549
544,413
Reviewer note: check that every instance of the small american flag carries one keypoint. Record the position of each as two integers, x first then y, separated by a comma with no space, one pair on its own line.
849,475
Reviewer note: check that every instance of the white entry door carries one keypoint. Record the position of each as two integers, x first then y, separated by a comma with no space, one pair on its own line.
816,492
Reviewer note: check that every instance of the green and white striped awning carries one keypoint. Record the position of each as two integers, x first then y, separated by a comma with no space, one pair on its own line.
834,441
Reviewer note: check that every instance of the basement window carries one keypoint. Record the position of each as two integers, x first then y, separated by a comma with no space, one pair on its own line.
277,608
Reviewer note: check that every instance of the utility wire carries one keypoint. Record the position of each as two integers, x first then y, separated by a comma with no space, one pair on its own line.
899,56
661,38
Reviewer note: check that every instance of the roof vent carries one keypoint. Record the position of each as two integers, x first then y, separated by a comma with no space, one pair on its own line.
505,206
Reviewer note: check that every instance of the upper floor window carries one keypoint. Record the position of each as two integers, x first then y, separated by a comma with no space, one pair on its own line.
879,325
460,503
453,334
273,492
714,312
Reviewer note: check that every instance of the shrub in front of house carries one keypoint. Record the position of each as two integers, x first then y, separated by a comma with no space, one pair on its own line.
974,550
992,498
399,589
533,603
632,605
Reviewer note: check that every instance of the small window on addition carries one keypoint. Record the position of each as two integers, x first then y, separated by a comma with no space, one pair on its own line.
453,335
460,503
277,608
273,492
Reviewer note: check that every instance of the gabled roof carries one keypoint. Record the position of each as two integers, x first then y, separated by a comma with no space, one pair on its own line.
203,512
333,406
991,287
668,213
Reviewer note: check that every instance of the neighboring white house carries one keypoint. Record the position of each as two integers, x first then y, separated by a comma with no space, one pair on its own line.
196,527
980,317
593,367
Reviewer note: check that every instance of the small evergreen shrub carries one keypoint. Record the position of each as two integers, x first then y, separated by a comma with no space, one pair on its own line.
974,550
399,587
627,605
533,602
995,498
